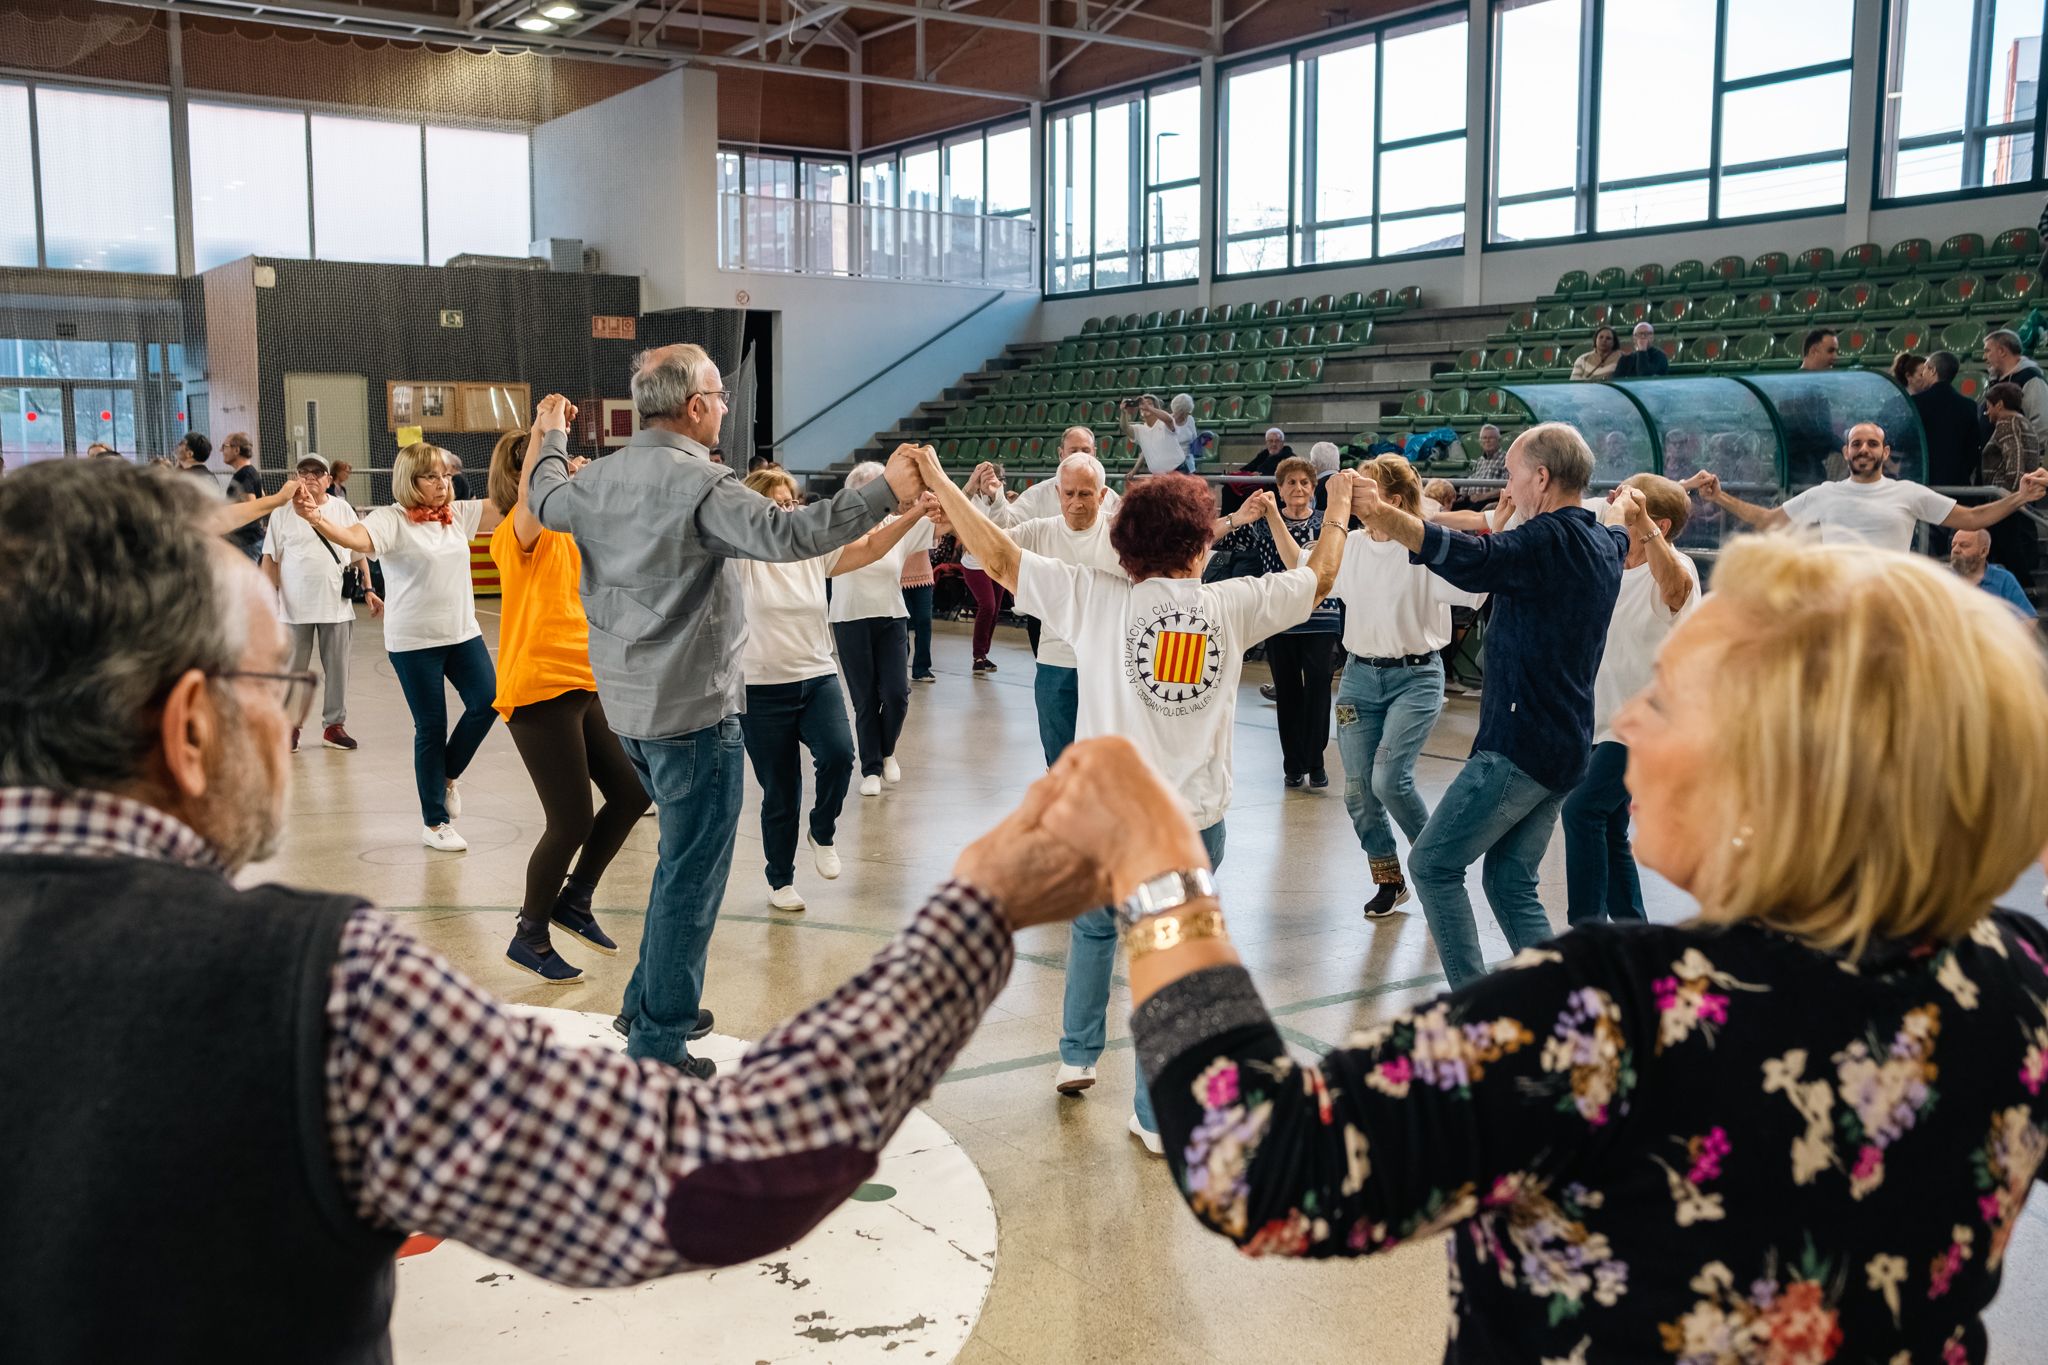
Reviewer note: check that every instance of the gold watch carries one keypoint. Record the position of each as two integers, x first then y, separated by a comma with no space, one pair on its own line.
1172,929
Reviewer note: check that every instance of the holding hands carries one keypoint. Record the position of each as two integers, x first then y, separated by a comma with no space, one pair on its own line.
1705,483
902,471
554,414
2034,483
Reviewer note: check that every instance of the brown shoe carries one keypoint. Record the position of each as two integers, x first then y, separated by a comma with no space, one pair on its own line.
334,737
295,739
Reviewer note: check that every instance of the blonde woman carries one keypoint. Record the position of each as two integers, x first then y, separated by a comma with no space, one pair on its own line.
1801,1127
430,629
548,697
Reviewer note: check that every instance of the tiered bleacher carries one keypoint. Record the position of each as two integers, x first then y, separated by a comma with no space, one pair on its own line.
1234,359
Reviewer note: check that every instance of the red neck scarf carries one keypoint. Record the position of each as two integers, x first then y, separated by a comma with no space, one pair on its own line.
420,516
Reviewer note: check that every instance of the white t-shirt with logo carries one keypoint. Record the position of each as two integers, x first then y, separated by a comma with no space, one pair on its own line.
1161,445
1159,661
1634,634
1883,513
308,568
788,639
1089,549
1393,607
431,600
876,590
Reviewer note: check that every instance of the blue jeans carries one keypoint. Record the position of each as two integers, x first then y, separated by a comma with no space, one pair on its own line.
919,603
779,717
1383,717
439,757
1091,954
1058,694
695,780
1496,811
1600,875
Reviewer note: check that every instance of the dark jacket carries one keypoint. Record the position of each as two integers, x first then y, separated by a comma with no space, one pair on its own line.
1953,440
1642,364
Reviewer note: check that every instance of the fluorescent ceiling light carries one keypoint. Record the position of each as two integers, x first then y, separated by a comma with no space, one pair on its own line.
533,23
562,12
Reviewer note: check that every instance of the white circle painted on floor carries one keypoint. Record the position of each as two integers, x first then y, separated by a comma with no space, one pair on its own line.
897,1274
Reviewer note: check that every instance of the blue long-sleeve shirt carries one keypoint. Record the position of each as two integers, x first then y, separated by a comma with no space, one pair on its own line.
1554,579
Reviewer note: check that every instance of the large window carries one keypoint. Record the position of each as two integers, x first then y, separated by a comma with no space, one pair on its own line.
1617,115
1375,130
780,210
479,194
59,397
248,184
105,163
1123,189
367,192
1960,109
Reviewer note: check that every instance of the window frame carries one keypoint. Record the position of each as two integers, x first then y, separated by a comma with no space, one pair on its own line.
1302,139
1139,249
1589,186
1974,135
894,152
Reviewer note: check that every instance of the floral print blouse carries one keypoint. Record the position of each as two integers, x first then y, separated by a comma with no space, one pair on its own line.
1693,1144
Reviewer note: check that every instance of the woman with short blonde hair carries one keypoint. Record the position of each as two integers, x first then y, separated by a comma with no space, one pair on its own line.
430,629
1800,1128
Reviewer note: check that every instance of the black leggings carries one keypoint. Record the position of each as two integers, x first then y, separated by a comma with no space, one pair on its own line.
566,745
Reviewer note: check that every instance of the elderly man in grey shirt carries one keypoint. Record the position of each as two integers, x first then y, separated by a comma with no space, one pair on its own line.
659,524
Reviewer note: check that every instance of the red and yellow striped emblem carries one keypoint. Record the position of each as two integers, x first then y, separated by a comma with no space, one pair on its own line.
1179,656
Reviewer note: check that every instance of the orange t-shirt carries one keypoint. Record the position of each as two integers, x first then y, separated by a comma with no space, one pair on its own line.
544,637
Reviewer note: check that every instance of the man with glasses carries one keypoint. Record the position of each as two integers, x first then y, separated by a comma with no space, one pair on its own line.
658,524
308,574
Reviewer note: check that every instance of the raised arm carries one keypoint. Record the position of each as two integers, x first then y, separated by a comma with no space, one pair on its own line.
686,1172
2032,486
978,535
1708,486
1328,554
233,516
1253,509
884,538
550,431
739,523
355,537
1667,566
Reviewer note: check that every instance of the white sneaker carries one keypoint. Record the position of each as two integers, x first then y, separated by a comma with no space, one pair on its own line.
785,898
1148,1137
453,800
890,772
444,838
826,857
1072,1080
871,785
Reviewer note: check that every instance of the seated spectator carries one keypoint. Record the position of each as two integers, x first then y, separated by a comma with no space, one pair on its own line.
1950,423
1819,350
1910,372
343,1085
2014,449
2007,360
1969,554
1258,467
1802,1127
1164,438
1325,459
1493,463
1646,359
1599,362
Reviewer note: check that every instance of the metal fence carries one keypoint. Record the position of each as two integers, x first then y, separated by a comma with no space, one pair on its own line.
812,237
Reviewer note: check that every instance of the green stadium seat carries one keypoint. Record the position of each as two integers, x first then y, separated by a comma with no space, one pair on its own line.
1252,373
1035,415
1150,322
1505,360
1010,449
1725,273
1065,381
1033,451
1629,312
1558,319
1322,305
1201,376
1090,326
1646,278
1911,335
1469,362
1201,343
1408,296
1228,374
1854,264
1041,382
1755,349
990,447
1572,284
1703,353
1328,336
1856,341
1014,414
1059,413
1674,311
1712,313
1380,300
1914,253
1358,333
1971,386
1174,343
1243,313
1453,403
1812,262
1152,347
1130,348
1854,301
1594,316
1902,298
1131,322
1196,317
1963,249
1522,322
2016,288
1964,337
1769,265
1548,359
1419,403
1258,408
1610,280
1295,307
2014,246
1173,318
1672,347
1351,304
1176,376
1153,378
1205,410
1308,370
1269,311
1273,339
1806,300
1960,293
1302,338
1761,306
1682,278
948,449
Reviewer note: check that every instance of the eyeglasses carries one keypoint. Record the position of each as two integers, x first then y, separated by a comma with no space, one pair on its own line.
293,691
435,474
720,394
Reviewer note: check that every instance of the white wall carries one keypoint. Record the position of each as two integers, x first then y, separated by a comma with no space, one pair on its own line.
636,176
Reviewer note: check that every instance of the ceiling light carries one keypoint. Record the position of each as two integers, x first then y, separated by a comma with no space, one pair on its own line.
533,23
561,12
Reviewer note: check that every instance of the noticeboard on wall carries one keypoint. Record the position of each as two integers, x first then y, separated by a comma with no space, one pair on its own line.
440,406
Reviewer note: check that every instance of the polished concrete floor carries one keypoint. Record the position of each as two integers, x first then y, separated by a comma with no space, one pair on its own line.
1097,1259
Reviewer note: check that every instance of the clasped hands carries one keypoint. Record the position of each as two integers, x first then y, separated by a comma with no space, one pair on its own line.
1089,833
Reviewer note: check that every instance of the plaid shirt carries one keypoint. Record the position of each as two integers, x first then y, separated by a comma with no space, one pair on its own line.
2013,450
450,1115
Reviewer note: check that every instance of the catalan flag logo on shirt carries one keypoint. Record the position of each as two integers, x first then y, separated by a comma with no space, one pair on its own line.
1179,656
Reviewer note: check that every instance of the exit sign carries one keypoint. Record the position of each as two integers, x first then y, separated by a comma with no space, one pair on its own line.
451,317
605,328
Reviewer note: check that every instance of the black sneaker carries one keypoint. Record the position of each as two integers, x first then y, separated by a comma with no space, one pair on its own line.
1389,896
623,1026
984,666
547,966
1295,779
572,912
703,1068
1319,779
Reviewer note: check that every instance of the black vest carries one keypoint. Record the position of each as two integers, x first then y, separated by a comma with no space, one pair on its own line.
169,1191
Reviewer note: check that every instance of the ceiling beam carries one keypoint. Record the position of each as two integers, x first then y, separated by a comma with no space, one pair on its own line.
784,31
915,12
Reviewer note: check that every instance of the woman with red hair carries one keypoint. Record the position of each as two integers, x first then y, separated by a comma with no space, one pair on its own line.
1158,653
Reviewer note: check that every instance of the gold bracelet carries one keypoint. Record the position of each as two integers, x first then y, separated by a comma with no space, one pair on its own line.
1173,928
